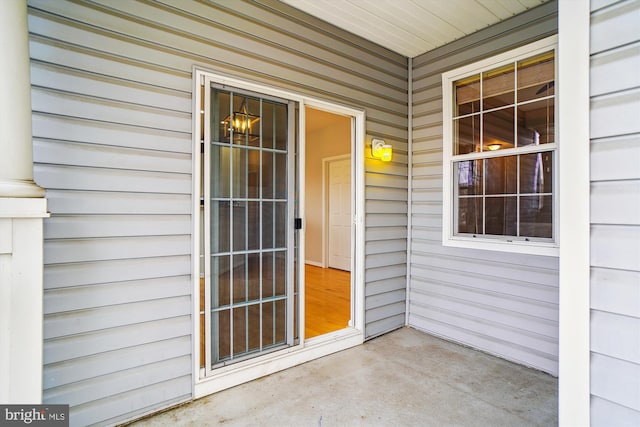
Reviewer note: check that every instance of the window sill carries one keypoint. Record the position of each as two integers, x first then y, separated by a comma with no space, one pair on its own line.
519,247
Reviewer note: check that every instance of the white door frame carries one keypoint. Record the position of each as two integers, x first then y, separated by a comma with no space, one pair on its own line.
305,350
325,205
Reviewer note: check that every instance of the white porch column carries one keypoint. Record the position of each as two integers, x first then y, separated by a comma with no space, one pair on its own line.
22,209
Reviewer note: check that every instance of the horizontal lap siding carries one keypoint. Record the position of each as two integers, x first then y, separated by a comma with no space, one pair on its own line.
615,213
112,110
501,303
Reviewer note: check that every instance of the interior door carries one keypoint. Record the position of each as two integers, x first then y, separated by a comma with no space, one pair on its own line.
339,177
248,203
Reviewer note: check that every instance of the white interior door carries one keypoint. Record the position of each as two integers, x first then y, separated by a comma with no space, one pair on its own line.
339,198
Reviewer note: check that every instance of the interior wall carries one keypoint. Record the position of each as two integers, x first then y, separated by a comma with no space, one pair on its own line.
333,138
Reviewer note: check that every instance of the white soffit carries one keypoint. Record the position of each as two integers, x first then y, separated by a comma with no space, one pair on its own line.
413,27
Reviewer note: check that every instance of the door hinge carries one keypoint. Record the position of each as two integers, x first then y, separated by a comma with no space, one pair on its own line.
297,224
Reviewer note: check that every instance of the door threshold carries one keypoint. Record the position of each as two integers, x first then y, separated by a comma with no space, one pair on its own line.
242,372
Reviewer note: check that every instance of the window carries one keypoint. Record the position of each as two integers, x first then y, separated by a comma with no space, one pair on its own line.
500,150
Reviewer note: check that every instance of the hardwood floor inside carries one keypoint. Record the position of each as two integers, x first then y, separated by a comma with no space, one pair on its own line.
328,300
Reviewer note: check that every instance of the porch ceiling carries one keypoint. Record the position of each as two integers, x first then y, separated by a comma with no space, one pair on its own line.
413,27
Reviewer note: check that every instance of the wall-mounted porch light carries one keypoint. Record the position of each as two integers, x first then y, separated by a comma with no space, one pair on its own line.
381,150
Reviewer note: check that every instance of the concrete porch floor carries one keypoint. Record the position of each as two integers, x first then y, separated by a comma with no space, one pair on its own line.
404,378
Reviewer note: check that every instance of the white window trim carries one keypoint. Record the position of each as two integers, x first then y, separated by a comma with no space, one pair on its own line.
495,244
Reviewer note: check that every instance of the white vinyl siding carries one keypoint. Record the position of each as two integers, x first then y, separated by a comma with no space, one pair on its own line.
615,213
502,303
112,124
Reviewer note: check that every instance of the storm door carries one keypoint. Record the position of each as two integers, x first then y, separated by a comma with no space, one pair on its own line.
249,227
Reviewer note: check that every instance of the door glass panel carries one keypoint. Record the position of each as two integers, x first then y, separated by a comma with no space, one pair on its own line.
239,226
268,124
239,172
253,326
253,225
253,122
248,205
280,224
268,271
239,278
268,216
281,176
268,336
220,324
221,271
220,126
267,175
240,335
280,126
220,225
220,161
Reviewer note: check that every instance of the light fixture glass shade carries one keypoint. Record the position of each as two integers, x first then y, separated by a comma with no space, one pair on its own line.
386,153
381,151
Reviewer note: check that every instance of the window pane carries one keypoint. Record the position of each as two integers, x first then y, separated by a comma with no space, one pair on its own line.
498,129
467,96
466,135
501,175
536,77
536,173
536,123
500,216
470,215
498,87
536,216
469,174
239,278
